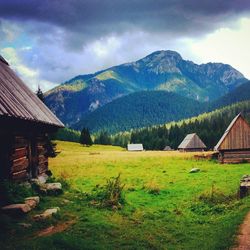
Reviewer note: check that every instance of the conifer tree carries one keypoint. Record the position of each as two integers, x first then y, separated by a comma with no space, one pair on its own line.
40,94
85,137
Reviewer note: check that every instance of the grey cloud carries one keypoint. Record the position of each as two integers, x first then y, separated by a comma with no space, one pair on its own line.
89,19
63,30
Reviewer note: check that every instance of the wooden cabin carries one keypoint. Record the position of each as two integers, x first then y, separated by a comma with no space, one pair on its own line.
234,145
192,143
135,147
25,122
167,148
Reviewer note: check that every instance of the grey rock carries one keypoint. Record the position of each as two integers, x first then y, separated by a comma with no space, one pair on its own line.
53,188
26,184
244,189
194,170
32,201
35,181
42,178
48,213
25,225
16,209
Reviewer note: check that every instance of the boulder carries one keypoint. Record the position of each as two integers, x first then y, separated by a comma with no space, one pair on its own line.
32,201
53,188
46,214
42,178
16,209
194,170
244,186
25,225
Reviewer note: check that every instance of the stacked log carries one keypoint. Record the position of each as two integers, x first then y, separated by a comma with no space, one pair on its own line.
42,155
20,159
234,156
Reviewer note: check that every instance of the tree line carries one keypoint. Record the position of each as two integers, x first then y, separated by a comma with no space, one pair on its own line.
209,127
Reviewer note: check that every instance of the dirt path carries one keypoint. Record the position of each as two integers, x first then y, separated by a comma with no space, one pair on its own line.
55,229
244,235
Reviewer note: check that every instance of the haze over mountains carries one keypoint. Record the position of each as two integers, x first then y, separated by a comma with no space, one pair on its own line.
78,101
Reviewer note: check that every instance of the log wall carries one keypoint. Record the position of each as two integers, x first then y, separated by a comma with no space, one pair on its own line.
191,150
234,156
42,155
238,136
20,158
28,157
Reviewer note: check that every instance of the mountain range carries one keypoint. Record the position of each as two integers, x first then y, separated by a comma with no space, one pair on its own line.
158,88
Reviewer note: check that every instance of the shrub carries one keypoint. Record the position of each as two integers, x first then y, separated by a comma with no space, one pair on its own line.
11,192
111,195
152,188
216,196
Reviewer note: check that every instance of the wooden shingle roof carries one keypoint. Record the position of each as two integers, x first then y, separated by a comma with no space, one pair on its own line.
192,141
135,147
18,101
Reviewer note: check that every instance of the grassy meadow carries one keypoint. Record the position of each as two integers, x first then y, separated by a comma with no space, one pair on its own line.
166,206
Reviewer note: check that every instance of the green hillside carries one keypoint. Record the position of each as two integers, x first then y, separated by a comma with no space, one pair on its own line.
139,110
209,126
241,93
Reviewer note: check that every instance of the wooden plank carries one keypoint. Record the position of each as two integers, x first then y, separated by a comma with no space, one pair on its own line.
18,168
237,152
236,156
235,160
19,152
19,161
41,151
42,168
20,142
22,175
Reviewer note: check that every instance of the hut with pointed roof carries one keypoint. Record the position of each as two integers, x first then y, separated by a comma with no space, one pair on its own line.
167,148
25,122
135,147
234,145
192,143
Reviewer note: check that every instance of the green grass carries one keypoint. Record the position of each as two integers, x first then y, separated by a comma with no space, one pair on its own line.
166,207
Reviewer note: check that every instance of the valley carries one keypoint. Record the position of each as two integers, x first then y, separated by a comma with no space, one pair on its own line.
165,205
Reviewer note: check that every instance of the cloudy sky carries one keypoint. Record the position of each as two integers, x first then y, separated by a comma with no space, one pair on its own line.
50,41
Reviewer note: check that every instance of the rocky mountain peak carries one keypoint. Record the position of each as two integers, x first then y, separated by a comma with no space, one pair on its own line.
161,56
161,62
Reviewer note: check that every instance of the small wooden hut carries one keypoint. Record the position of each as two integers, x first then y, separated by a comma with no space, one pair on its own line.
24,126
135,147
192,143
234,145
167,148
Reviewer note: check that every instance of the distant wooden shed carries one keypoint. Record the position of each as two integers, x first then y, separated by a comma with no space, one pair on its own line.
167,148
135,147
24,126
192,143
234,145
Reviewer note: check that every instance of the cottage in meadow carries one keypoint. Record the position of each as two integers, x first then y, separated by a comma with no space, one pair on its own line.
25,122
234,145
167,148
192,143
135,147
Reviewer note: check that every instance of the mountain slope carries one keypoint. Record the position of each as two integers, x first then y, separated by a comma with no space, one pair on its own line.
209,126
161,70
241,93
139,110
